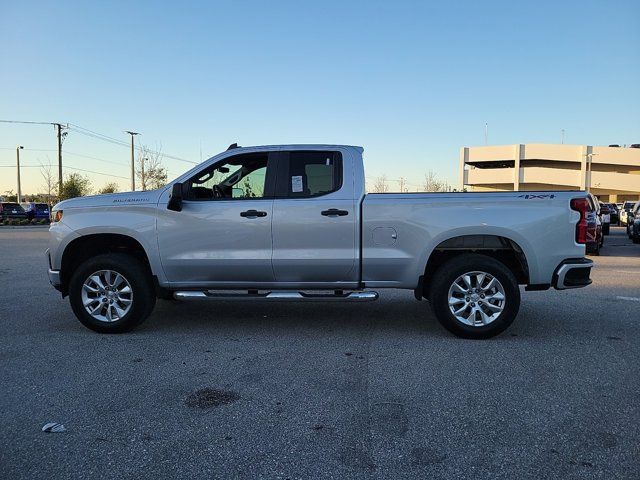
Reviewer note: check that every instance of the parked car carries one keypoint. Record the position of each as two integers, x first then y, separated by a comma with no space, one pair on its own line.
12,210
605,218
288,223
615,213
594,236
626,208
36,210
633,216
635,230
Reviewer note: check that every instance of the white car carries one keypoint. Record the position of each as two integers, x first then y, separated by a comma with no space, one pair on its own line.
624,211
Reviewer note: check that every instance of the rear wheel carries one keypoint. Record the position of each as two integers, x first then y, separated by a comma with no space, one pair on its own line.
475,296
605,228
111,293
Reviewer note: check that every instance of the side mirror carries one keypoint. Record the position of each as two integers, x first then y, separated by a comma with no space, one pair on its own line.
175,200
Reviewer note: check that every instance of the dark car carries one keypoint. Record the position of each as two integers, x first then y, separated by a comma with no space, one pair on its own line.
595,238
605,218
635,230
633,217
36,210
615,214
12,210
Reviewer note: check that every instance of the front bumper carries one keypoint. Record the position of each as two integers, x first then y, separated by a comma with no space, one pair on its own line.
572,273
54,275
54,278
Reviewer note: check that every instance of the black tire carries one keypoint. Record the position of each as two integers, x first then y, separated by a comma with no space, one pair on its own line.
138,276
445,276
605,228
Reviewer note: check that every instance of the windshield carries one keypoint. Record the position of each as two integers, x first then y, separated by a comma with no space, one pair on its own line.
628,205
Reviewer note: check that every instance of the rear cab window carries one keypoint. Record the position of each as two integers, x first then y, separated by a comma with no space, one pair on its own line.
308,174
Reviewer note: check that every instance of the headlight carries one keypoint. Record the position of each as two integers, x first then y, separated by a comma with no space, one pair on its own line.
57,215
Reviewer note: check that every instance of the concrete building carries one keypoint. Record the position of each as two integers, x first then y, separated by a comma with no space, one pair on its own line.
611,173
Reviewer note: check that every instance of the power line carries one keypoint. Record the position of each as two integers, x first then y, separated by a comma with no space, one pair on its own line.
99,136
66,166
26,122
122,143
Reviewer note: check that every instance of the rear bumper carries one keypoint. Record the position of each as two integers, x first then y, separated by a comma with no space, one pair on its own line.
572,273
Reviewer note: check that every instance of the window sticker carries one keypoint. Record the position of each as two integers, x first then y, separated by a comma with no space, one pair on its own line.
296,183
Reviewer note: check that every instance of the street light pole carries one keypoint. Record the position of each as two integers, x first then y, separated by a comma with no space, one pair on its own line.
133,164
18,148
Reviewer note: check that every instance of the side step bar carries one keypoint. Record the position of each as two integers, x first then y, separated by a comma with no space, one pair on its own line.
279,296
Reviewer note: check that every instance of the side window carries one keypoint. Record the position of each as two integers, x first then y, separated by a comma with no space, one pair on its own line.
238,177
305,174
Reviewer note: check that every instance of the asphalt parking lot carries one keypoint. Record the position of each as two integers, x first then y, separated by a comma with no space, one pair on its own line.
375,390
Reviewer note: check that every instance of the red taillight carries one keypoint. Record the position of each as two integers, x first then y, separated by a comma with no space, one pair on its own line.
581,205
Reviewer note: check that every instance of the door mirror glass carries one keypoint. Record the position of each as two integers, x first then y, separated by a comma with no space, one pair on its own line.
175,200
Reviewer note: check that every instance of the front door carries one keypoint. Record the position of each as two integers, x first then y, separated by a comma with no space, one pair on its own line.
314,221
223,233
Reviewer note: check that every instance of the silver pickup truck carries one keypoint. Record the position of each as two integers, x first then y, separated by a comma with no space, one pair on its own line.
294,223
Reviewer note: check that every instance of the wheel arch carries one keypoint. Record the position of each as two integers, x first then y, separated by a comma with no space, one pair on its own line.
87,246
500,247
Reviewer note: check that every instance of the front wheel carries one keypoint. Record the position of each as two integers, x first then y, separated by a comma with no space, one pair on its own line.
111,293
475,296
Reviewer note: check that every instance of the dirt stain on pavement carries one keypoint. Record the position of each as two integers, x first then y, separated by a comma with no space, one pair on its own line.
210,397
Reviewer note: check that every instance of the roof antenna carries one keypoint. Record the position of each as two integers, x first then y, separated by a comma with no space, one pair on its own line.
232,146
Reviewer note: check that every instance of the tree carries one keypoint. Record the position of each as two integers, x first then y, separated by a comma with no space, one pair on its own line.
49,180
111,187
150,172
75,185
9,196
380,186
433,184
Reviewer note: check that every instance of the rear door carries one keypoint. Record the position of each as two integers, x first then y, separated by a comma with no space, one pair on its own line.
314,220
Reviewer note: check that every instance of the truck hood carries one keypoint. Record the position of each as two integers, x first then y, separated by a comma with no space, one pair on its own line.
111,199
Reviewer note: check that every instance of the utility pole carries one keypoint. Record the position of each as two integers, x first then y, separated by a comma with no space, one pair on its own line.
562,136
133,162
61,136
486,133
18,148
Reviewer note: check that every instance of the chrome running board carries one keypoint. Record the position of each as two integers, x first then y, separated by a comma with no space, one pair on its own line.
278,296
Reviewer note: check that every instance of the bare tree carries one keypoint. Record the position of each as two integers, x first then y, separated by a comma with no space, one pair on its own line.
403,185
150,172
50,182
380,185
432,183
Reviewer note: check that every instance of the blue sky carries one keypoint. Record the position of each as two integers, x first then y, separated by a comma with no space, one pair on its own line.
412,82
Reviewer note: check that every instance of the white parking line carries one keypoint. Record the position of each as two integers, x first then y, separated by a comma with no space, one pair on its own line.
631,299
